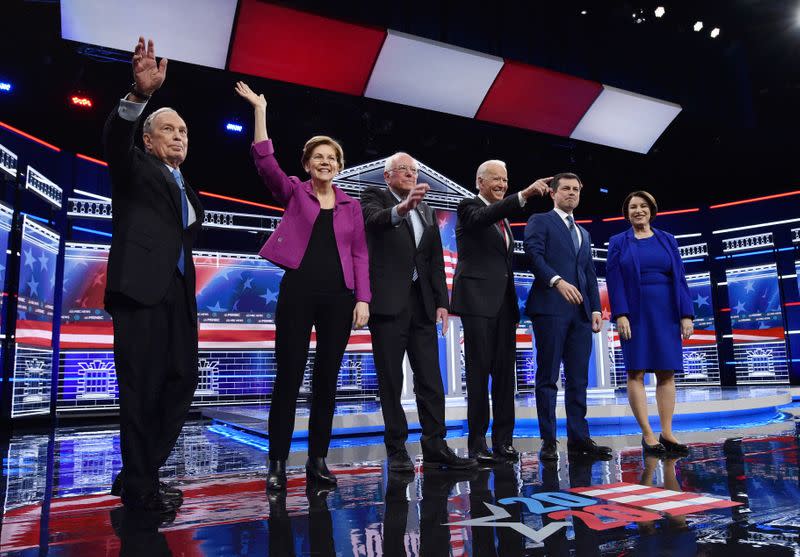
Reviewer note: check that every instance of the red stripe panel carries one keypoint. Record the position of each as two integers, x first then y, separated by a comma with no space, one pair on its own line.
288,45
538,99
721,504
593,487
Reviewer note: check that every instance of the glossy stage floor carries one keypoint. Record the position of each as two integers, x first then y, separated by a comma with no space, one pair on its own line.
737,493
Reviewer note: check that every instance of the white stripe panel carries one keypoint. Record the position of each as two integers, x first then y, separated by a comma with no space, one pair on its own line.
609,491
667,505
655,495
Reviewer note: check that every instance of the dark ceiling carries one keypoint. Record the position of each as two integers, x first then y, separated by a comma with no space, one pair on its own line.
735,137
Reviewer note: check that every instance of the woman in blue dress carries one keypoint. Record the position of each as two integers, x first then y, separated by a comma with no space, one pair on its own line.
651,305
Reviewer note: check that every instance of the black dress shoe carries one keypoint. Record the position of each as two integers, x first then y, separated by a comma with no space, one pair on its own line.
508,452
588,448
656,449
167,491
400,462
317,471
674,448
149,502
549,451
484,456
446,458
276,475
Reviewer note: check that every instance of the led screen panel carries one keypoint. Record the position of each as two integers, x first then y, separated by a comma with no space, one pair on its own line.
700,356
34,328
194,31
236,298
447,230
757,325
6,222
625,120
428,74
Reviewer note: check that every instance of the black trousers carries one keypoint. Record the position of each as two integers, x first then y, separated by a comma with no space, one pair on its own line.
332,316
392,335
489,349
155,353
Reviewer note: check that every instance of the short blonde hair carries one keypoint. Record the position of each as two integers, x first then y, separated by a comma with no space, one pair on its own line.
318,140
648,198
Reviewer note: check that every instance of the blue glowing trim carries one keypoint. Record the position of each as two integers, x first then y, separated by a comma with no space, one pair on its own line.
92,231
34,217
603,190
700,260
234,127
5,86
759,252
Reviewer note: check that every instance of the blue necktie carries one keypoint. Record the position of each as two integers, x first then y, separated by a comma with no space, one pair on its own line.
184,212
573,231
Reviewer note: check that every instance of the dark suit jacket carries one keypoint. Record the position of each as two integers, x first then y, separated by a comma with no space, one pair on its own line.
549,245
484,274
393,255
624,288
147,230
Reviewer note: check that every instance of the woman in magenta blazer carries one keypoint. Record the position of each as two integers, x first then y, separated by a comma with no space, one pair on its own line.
321,245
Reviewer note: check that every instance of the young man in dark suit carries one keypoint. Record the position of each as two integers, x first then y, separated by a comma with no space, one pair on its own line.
409,296
150,290
564,305
485,298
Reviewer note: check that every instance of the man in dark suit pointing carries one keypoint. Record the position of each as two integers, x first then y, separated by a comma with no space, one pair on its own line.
151,284
564,305
485,298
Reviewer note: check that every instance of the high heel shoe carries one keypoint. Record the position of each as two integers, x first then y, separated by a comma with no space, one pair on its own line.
674,448
317,471
276,475
656,449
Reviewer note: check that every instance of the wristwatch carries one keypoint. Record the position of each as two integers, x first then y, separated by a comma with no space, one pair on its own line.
555,282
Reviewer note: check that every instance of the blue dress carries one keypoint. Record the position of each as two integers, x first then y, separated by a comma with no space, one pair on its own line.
655,343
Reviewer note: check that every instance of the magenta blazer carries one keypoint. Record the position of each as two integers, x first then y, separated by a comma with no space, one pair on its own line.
287,245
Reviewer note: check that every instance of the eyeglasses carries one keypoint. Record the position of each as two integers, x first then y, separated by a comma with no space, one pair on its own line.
403,168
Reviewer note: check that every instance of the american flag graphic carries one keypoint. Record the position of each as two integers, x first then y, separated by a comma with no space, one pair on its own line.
655,498
447,230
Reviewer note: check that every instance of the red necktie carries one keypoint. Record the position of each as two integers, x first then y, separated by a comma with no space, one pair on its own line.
503,231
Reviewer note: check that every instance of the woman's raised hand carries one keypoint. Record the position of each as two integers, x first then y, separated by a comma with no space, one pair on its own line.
244,91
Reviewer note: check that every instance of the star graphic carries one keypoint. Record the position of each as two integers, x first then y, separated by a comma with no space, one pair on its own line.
224,273
749,287
606,314
34,287
98,279
29,258
270,296
43,261
739,308
235,306
216,307
248,283
701,301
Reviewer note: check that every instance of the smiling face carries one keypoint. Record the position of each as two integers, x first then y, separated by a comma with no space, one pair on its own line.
168,138
402,176
493,183
323,163
567,195
639,212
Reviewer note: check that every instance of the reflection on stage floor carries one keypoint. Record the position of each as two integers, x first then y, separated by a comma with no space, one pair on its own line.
736,493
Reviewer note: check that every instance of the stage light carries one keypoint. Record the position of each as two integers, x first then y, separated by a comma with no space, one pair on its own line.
660,11
584,12
603,190
5,87
231,127
715,32
698,26
83,102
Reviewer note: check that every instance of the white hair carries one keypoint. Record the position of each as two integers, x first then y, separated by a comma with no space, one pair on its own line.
485,166
387,166
147,127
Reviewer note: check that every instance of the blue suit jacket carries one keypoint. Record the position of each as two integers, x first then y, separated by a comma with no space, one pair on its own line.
624,287
549,245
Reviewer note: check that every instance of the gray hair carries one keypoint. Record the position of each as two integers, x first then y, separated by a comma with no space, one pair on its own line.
387,166
147,127
485,166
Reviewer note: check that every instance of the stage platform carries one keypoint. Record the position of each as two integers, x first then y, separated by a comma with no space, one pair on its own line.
697,408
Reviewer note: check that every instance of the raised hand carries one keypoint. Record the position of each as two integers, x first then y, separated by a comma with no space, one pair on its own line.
244,91
147,74
413,199
539,187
